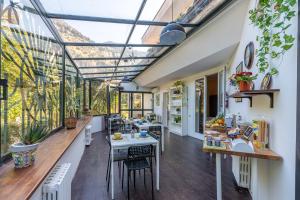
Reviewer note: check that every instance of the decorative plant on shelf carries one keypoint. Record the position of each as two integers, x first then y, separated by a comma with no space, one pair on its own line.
177,119
23,152
243,80
272,18
179,85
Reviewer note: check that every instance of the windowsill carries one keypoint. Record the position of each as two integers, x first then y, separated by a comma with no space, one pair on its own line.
21,183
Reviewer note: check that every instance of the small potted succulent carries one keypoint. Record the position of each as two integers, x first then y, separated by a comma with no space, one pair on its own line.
23,152
243,80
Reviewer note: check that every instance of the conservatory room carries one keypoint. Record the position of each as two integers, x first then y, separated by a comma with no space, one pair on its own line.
149,99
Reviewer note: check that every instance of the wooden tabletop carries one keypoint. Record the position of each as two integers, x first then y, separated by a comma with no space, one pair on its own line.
258,153
20,184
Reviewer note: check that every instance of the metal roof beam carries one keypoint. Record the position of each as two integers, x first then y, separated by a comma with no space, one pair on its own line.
111,20
103,67
113,44
117,72
114,58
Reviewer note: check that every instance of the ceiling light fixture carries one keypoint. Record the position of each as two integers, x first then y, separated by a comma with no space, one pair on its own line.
173,33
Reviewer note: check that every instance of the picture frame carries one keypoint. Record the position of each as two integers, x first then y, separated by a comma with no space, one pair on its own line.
157,99
239,68
249,55
266,82
248,132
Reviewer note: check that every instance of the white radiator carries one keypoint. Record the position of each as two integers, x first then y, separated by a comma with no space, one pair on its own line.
241,168
88,135
58,184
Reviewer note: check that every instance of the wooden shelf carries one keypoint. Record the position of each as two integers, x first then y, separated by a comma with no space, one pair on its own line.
249,94
22,183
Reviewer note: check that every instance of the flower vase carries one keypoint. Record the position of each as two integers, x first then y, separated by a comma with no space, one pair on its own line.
244,86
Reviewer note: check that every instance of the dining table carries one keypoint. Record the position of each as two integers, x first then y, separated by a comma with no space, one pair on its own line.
127,141
146,125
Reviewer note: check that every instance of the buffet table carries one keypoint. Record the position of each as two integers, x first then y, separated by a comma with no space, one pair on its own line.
226,149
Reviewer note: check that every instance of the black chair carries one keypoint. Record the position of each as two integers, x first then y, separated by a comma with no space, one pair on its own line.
115,125
139,158
119,156
155,132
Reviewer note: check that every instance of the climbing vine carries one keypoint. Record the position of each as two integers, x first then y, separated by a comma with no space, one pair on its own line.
272,17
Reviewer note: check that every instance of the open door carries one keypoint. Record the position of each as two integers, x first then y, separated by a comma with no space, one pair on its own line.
166,109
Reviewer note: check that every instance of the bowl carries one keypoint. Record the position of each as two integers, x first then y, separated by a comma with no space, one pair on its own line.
117,135
143,133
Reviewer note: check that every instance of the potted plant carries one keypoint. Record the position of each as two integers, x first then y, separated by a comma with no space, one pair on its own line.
243,80
23,152
179,86
71,107
177,119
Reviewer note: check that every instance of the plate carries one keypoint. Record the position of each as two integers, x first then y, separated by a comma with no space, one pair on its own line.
121,138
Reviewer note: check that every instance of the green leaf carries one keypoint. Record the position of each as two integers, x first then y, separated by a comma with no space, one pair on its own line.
274,71
287,47
277,43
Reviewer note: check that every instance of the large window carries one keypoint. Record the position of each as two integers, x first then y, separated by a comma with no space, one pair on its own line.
98,98
31,63
114,100
135,104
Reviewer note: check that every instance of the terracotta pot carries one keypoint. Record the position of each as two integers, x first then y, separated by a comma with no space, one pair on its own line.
244,86
71,122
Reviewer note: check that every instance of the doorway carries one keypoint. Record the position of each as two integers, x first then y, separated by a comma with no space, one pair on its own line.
209,99
166,109
212,96
199,105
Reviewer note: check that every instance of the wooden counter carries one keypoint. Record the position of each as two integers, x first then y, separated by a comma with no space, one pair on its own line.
20,184
258,153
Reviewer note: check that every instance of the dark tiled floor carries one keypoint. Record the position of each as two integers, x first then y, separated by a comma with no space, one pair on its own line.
186,173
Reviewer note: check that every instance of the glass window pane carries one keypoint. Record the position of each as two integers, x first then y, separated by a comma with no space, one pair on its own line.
125,101
137,100
125,114
148,101
94,52
99,98
114,100
71,96
136,62
130,68
97,70
126,9
87,93
144,51
95,63
137,114
31,63
85,31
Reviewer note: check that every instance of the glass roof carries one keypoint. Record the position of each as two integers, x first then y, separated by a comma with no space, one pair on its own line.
117,38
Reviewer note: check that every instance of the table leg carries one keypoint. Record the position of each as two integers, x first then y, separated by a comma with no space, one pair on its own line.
218,176
112,173
162,138
157,166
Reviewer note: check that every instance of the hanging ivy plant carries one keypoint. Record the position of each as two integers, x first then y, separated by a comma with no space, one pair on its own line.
272,17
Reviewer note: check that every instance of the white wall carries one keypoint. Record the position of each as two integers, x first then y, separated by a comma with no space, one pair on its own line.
132,86
98,124
279,177
190,84
72,155
271,179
